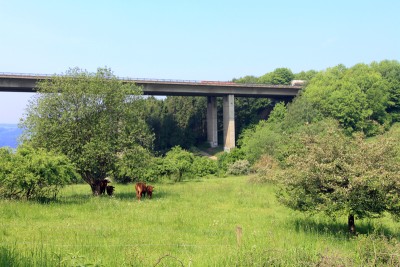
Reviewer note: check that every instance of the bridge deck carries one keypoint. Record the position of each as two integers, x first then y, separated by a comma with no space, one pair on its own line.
20,82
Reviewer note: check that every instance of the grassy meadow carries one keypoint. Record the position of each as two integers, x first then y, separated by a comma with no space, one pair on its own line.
193,223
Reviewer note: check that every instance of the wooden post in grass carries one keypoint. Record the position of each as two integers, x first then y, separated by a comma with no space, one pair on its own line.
239,235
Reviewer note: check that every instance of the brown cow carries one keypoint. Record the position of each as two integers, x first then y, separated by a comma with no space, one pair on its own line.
140,190
149,190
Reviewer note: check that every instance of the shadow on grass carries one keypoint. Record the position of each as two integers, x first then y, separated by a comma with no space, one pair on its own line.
124,196
74,199
339,229
132,195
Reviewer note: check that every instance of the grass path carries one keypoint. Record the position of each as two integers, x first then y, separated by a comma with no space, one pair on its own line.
191,223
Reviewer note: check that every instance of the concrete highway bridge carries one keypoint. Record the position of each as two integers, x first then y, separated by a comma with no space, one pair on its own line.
19,82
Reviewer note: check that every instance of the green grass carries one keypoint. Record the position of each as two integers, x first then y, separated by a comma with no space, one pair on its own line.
190,223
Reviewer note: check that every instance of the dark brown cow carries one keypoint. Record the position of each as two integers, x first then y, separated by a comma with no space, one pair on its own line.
149,190
103,186
140,190
110,190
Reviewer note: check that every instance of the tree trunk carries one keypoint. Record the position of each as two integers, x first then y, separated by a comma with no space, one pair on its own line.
95,189
351,224
92,182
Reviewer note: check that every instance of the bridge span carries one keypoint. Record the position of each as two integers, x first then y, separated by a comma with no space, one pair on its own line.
19,82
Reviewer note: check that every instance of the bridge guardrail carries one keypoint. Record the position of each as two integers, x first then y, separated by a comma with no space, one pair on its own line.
33,75
226,83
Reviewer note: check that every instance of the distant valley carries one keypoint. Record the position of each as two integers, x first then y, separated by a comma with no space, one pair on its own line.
9,134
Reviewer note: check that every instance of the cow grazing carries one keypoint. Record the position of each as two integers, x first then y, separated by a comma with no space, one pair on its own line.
110,190
103,186
141,190
149,190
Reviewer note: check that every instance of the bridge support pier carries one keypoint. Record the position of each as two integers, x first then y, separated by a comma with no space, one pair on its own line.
229,122
212,126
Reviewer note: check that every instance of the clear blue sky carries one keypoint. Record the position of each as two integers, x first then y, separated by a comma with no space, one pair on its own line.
198,39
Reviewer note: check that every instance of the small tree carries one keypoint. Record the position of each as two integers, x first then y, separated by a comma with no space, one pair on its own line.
335,174
179,161
278,76
133,165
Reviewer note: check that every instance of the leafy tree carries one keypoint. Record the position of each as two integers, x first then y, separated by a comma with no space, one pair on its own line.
390,71
249,111
34,173
92,118
270,137
300,112
133,165
338,174
357,97
179,161
249,79
305,75
278,113
263,138
278,76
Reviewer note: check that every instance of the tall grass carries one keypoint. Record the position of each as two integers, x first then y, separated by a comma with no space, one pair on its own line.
185,224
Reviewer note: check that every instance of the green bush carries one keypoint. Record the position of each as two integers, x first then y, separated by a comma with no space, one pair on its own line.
157,169
266,168
178,163
264,138
133,165
34,173
240,167
203,166
225,159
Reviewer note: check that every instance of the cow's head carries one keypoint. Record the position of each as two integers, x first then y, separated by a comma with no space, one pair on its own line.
149,188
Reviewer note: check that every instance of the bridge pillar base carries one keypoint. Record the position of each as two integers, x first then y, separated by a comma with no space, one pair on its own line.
229,122
212,130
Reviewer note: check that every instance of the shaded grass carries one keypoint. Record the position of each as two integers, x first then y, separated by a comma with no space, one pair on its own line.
190,223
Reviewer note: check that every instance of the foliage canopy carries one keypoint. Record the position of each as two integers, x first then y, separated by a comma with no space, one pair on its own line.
92,118
335,173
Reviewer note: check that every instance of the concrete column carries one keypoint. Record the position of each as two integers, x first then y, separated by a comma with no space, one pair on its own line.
229,122
212,130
